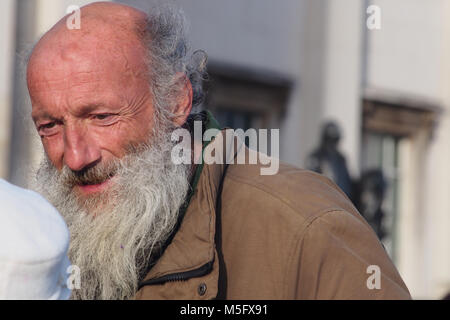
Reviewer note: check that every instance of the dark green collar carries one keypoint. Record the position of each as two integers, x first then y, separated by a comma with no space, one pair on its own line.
210,123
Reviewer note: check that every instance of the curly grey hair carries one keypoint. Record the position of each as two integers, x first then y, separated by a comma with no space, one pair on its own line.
167,45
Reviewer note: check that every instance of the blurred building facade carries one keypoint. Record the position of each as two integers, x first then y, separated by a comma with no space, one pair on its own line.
293,65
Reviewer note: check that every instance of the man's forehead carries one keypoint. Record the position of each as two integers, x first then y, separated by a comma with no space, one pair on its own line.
83,62
97,45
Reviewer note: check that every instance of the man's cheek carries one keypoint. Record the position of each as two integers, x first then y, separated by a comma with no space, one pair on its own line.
54,149
118,139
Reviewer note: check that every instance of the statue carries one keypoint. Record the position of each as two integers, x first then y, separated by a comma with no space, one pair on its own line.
327,159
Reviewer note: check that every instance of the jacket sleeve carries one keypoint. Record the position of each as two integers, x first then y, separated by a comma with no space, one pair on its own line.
338,256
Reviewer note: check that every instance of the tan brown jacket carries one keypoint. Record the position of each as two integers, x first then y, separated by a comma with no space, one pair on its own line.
293,235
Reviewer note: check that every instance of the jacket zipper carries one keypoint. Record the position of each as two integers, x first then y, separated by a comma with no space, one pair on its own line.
180,276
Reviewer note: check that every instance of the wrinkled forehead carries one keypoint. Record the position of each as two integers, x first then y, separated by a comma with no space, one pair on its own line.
101,45
81,61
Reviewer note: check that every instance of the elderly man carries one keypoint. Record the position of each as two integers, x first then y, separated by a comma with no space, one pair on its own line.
105,100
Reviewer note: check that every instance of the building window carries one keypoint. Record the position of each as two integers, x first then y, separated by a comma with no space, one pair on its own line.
380,152
242,99
387,119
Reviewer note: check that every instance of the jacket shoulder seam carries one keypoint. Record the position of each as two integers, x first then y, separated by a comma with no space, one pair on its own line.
279,197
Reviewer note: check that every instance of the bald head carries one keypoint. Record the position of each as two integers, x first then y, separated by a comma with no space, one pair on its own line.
109,31
100,17
94,90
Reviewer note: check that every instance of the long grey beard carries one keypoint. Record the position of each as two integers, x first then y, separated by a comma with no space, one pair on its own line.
114,234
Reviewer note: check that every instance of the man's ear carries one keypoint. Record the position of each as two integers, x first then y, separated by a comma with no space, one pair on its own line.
183,105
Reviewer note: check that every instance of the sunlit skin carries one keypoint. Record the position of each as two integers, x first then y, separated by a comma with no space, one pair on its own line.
90,92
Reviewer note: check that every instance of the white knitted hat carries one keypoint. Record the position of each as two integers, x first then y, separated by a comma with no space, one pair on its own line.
33,246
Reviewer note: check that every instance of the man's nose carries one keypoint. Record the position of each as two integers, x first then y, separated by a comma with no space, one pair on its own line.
79,150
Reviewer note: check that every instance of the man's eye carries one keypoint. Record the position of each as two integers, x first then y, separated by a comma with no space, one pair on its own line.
48,129
102,116
47,125
104,119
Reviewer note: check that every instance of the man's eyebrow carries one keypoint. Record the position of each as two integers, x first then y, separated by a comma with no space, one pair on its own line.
82,111
42,115
88,108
